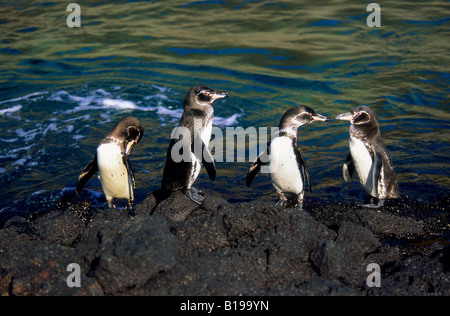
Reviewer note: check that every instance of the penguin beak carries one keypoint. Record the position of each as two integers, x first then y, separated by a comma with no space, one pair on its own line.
319,117
345,117
129,147
218,95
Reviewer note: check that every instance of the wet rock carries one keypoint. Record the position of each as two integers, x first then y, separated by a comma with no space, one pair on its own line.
148,205
379,221
60,228
175,247
129,254
176,207
16,231
36,268
389,225
356,242
416,276
104,217
81,209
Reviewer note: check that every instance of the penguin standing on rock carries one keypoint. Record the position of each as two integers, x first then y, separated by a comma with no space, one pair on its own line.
111,161
287,167
189,145
369,156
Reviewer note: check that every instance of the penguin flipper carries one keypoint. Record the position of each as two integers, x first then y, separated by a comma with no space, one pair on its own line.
86,174
131,180
206,158
304,168
194,195
348,168
376,170
254,169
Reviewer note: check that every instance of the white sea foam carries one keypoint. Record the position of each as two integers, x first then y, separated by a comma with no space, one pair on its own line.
16,153
92,101
11,109
96,100
100,100
27,135
11,140
177,113
52,127
26,97
38,192
21,161
218,121
78,137
159,97
25,148
119,104
230,121
160,88
86,117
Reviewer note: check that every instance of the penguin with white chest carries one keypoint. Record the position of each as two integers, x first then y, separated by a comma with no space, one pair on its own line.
287,167
189,144
111,161
368,156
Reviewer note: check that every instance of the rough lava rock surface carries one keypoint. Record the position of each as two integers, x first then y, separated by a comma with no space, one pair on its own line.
175,247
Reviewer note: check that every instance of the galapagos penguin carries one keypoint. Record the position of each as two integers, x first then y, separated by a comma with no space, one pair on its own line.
189,144
288,169
368,156
111,161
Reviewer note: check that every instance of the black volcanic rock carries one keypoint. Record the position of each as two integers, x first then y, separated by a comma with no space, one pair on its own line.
175,247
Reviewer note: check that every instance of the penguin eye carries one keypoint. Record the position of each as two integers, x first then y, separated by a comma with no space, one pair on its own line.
133,133
205,92
204,96
361,118
303,118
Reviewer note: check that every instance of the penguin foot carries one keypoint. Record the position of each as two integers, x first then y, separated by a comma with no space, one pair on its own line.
129,207
299,205
290,201
194,195
374,206
120,205
111,204
286,203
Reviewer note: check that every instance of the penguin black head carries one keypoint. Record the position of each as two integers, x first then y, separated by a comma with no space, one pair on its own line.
128,131
300,115
200,96
362,118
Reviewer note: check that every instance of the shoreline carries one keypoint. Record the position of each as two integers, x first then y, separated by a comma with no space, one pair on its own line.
176,247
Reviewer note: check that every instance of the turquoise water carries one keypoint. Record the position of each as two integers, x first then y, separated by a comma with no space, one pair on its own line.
62,89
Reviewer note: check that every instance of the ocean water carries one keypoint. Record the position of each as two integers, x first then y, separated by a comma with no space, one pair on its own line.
62,89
